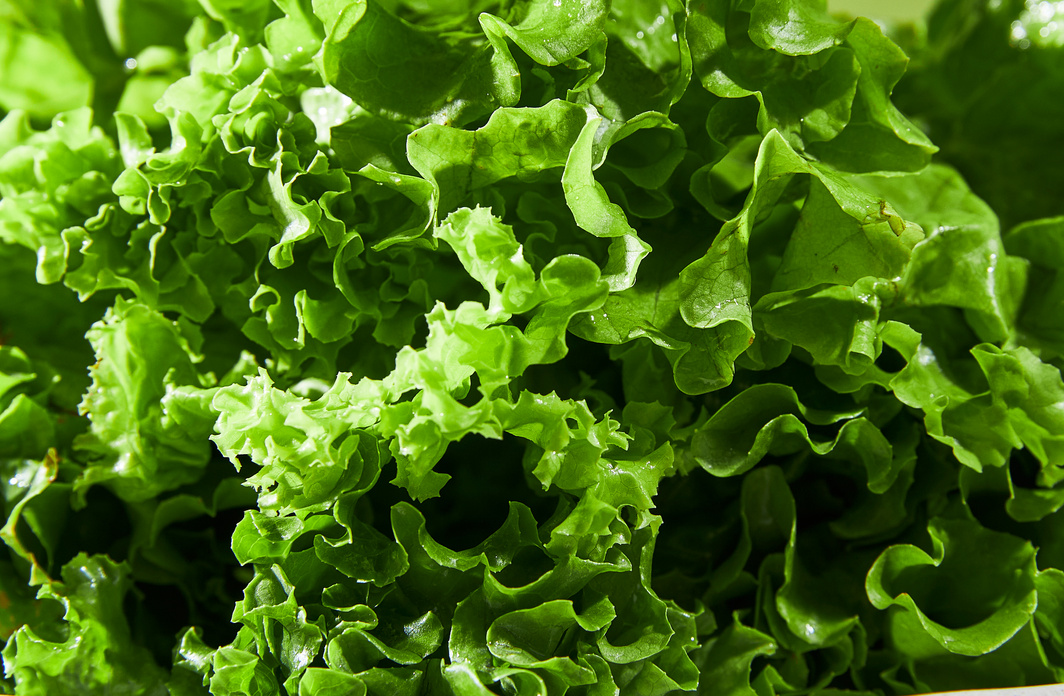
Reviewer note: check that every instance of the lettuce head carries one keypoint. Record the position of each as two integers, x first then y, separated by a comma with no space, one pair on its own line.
529,348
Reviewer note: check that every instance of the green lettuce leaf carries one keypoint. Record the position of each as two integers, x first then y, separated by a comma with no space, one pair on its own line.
538,347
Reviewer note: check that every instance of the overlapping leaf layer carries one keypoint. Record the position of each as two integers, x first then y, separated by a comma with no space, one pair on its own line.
528,347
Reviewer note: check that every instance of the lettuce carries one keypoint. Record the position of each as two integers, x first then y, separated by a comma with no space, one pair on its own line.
532,347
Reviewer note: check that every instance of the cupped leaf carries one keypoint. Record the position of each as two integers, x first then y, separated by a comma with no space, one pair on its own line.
550,32
1041,243
969,607
397,70
519,143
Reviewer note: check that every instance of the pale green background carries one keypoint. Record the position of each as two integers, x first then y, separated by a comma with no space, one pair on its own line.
881,9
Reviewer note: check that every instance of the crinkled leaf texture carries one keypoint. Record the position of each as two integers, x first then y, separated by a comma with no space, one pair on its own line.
528,347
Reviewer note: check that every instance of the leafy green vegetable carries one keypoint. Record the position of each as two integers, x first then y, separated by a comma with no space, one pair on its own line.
532,347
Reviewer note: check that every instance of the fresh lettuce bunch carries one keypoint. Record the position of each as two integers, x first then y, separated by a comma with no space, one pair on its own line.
529,348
